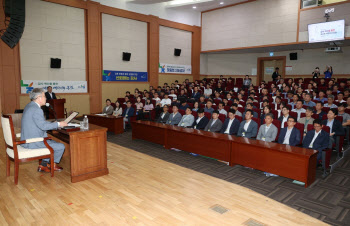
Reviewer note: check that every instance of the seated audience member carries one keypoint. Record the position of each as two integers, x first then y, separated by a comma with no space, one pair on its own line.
321,97
108,109
336,128
307,100
268,131
266,110
294,102
231,124
236,101
249,106
348,103
240,97
146,96
165,101
248,128
183,106
202,100
317,139
175,117
182,96
164,116
246,82
277,102
139,107
217,96
289,96
118,109
201,121
284,117
157,99
229,97
299,108
214,124
128,113
195,106
187,119
290,135
208,91
127,94
219,88
173,95
346,118
319,111
195,95
307,119
221,109
235,107
330,103
147,109
264,103
340,97
208,107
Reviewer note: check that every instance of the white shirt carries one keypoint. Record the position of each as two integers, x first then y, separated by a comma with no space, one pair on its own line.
174,96
50,95
299,111
222,111
286,138
267,128
313,139
214,120
157,100
199,119
208,92
165,102
285,119
227,131
246,125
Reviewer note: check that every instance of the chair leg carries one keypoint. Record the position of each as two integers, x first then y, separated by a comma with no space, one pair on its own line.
52,165
8,163
16,172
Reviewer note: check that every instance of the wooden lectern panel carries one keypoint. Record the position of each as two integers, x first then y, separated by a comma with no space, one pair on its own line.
58,105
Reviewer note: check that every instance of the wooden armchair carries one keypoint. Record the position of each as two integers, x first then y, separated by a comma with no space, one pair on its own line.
15,152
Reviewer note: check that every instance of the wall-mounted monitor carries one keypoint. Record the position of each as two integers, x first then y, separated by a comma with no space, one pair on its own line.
327,31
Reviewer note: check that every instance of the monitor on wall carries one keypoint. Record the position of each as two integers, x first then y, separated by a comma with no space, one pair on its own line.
327,31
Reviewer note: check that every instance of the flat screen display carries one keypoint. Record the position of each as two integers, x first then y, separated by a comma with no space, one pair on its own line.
326,32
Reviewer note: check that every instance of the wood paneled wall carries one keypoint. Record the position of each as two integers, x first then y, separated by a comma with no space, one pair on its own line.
10,58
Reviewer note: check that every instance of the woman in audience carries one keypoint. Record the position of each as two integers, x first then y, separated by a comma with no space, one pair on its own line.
328,72
108,109
147,109
290,82
118,109
139,107
300,82
266,110
208,92
316,73
279,111
195,106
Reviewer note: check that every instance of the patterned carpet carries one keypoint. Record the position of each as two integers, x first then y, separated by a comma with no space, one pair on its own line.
326,199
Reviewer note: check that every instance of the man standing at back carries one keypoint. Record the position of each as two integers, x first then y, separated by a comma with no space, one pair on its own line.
49,96
34,125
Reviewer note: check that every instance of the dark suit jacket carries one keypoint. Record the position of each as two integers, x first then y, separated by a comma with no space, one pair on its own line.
196,96
320,143
164,119
321,114
294,138
202,123
337,127
234,126
48,97
281,118
130,113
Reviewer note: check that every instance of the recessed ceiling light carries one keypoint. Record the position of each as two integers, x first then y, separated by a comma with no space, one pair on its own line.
195,7
221,3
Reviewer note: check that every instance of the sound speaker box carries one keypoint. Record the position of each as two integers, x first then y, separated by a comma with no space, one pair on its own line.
55,63
126,56
293,56
177,52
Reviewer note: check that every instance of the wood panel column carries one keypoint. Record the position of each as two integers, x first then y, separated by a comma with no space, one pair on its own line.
153,50
94,62
196,51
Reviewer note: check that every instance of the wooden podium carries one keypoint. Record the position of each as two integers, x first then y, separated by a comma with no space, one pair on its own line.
58,105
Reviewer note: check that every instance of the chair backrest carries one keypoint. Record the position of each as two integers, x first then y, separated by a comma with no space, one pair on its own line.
7,129
222,117
294,115
239,118
208,115
300,127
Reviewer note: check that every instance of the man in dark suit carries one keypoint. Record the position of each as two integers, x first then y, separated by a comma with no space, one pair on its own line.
127,113
201,121
284,116
248,128
195,95
290,135
163,117
231,124
336,128
275,74
49,96
214,124
317,139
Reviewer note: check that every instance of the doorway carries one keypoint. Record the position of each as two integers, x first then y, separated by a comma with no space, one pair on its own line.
266,66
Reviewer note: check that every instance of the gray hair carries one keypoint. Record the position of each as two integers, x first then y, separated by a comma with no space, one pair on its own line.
35,93
269,115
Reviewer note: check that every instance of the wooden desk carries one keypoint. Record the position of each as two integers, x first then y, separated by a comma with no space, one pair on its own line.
113,123
291,162
87,151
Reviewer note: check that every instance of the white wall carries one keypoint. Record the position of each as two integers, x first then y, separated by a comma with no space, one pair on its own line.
189,17
53,31
124,35
242,64
171,38
256,23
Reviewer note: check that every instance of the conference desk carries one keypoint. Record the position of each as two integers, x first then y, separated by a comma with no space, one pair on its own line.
291,162
87,150
113,123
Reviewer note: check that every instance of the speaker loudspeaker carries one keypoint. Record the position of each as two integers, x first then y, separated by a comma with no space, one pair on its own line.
126,56
55,63
293,56
177,52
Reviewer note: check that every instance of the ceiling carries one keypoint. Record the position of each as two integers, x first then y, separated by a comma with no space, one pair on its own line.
201,5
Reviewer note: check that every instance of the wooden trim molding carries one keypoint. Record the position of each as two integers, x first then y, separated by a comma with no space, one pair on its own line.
310,76
235,4
323,6
298,23
175,74
73,3
251,47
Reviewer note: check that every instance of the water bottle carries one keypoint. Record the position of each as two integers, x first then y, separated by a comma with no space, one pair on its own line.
86,123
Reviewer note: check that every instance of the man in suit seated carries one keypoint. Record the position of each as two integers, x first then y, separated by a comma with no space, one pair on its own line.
34,125
195,95
290,135
268,131
336,128
201,121
183,105
175,117
307,119
231,124
317,139
128,113
108,109
214,124
248,128
319,111
188,119
250,106
284,117
235,107
163,117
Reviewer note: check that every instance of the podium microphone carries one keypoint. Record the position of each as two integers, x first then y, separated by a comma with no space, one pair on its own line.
48,105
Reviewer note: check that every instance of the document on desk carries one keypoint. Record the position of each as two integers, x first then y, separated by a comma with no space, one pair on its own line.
101,114
74,124
71,117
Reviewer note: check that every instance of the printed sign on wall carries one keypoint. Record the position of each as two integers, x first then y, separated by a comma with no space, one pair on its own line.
124,76
57,86
175,68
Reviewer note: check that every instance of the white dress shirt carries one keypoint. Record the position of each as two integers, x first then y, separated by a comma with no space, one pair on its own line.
214,120
165,102
227,131
313,139
286,138
285,119
246,125
199,119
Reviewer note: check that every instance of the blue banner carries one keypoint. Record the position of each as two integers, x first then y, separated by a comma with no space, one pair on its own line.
124,76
